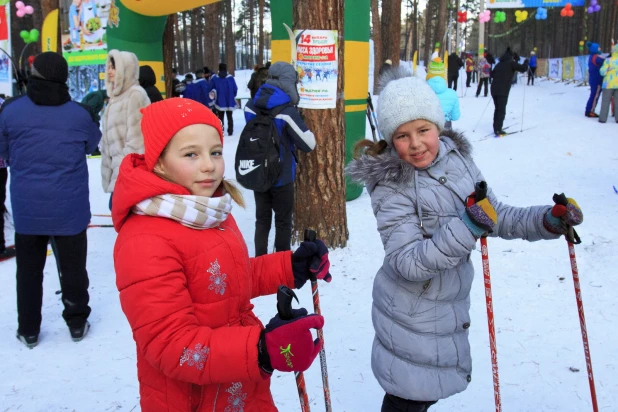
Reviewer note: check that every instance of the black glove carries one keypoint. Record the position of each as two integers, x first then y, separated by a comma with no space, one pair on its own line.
311,258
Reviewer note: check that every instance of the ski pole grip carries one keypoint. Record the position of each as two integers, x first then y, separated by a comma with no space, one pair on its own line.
284,302
370,102
310,235
480,190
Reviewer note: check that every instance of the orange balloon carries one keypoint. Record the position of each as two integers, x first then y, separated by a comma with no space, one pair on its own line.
563,12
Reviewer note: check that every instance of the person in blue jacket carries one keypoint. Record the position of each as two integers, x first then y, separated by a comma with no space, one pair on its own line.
225,101
448,97
45,137
532,67
595,62
280,89
200,89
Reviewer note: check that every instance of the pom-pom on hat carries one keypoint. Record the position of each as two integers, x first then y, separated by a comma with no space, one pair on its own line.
162,120
593,48
436,68
404,99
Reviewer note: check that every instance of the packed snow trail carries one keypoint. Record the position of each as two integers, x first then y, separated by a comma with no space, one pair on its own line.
537,326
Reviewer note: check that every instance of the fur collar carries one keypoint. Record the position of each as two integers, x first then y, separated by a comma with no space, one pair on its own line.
387,167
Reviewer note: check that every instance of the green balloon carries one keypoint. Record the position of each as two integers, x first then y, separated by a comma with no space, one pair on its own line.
34,35
24,35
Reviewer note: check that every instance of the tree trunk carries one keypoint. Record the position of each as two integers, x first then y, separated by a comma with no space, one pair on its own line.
211,52
415,28
428,43
185,62
261,33
251,30
377,42
179,50
194,38
230,46
168,54
320,183
441,24
391,30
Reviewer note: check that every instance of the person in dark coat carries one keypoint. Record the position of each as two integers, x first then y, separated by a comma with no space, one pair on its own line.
45,139
200,90
96,100
454,64
148,79
280,89
502,76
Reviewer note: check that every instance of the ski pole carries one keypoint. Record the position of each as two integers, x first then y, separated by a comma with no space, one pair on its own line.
373,128
523,106
373,113
572,239
95,226
310,236
101,215
480,193
480,118
284,309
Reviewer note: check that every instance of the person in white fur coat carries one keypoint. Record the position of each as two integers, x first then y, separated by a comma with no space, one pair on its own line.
122,133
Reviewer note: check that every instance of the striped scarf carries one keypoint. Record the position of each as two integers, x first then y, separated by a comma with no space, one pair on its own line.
196,212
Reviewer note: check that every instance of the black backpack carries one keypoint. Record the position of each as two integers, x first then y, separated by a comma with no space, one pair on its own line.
258,156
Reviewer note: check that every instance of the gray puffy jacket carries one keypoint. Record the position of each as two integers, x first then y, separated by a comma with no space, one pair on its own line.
421,294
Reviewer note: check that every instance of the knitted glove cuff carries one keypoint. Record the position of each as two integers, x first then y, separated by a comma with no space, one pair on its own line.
554,224
476,231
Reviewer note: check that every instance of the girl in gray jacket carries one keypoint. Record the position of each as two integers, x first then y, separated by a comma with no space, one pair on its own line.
419,178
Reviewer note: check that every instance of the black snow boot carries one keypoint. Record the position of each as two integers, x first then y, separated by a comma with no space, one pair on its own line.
79,332
29,341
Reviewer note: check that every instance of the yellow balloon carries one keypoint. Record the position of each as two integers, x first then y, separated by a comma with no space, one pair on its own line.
581,43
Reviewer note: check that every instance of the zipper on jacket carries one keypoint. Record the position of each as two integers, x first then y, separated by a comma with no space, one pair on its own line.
214,408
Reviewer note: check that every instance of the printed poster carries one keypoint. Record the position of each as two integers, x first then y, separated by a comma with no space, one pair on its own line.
317,66
84,42
521,4
568,68
555,68
581,68
6,72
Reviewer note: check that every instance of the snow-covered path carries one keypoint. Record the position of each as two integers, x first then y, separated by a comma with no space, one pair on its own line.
536,319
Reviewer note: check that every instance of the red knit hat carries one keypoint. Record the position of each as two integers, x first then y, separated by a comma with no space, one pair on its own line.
162,120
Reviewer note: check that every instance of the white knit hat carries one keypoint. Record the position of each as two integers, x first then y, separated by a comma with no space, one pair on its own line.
404,99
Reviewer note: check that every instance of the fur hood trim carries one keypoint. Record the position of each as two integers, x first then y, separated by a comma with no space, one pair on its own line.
388,167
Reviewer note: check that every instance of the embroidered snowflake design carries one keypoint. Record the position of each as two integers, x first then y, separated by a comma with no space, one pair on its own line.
236,399
195,357
217,279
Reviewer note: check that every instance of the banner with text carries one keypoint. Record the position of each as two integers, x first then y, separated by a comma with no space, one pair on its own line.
317,67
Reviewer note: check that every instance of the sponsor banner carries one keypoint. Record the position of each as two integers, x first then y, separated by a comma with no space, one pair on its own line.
520,4
317,67
555,69
84,43
568,68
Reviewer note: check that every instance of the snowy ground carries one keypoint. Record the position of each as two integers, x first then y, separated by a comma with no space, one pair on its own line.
536,317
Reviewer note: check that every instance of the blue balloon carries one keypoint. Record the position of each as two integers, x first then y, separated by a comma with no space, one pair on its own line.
541,13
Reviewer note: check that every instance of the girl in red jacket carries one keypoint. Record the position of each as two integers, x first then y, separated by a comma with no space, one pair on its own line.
186,280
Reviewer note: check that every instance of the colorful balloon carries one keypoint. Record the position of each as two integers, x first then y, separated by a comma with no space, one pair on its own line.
500,17
521,16
22,9
485,16
541,13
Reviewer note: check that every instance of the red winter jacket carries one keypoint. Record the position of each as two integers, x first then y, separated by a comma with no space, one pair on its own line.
186,294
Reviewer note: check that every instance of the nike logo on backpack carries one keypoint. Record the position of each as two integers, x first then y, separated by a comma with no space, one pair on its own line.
246,167
253,139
